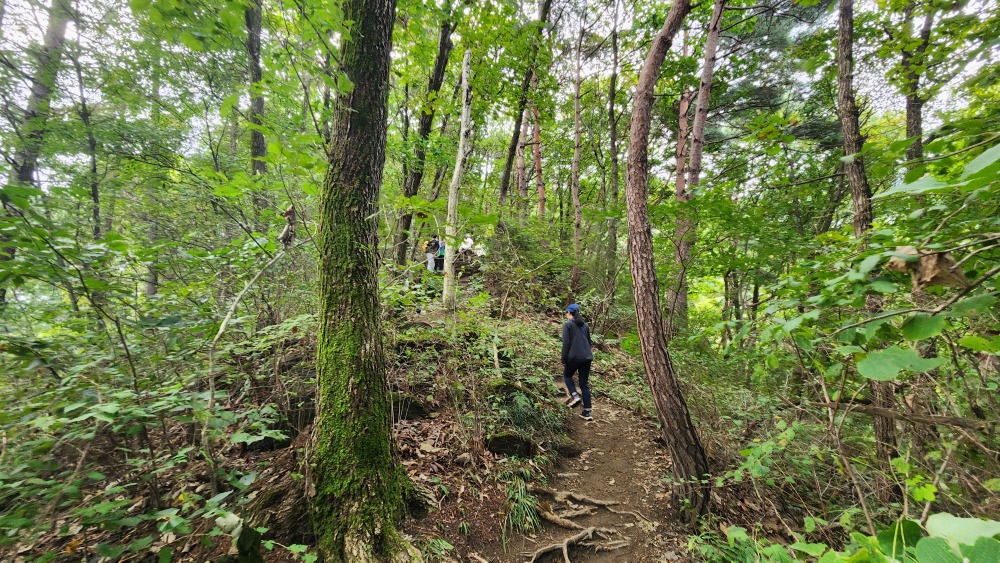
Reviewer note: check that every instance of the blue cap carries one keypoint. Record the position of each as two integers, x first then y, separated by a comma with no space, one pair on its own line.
574,308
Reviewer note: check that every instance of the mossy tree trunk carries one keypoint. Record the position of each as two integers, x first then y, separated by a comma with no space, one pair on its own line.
358,484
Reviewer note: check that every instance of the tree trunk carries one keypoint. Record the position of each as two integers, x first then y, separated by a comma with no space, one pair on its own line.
415,174
35,119
861,196
574,179
684,236
258,145
357,496
912,61
451,229
612,253
521,163
543,16
537,149
689,462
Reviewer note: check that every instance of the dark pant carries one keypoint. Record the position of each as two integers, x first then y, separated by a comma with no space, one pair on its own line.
572,367
439,263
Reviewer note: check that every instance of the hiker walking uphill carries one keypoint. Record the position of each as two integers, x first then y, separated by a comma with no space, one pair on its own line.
577,357
430,251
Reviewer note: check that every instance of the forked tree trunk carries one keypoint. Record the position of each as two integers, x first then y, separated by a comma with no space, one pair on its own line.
861,196
415,174
574,179
544,8
684,236
357,480
34,122
451,229
690,465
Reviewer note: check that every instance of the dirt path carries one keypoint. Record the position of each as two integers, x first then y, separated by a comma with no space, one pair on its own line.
621,462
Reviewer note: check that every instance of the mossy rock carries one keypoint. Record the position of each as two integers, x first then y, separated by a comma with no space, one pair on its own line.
568,447
511,444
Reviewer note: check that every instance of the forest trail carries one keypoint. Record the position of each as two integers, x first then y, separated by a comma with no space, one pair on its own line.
620,461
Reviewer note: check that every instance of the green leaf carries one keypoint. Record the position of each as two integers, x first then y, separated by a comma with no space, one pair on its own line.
140,544
992,485
986,550
298,548
923,326
191,42
895,539
936,550
985,159
814,549
978,304
885,365
980,344
961,530
869,263
925,185
111,551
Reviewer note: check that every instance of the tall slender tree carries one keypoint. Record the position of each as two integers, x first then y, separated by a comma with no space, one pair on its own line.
415,171
451,228
357,480
612,252
544,9
861,197
685,233
34,122
574,179
690,465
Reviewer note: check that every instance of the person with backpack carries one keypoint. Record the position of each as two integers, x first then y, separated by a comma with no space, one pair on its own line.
430,251
439,258
577,356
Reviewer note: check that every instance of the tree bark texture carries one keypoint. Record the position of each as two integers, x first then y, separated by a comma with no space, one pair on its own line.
612,252
911,61
34,122
861,196
357,481
689,462
415,174
574,179
543,16
258,144
451,228
684,236
521,162
537,150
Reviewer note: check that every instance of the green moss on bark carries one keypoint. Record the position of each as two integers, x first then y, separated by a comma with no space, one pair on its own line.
358,482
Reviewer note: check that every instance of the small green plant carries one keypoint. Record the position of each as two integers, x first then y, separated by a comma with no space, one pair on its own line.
436,549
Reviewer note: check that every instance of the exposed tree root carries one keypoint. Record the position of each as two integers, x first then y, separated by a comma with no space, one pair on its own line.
563,496
564,545
578,512
585,538
558,520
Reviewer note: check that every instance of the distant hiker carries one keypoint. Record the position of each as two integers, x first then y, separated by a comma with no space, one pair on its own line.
430,251
577,357
439,258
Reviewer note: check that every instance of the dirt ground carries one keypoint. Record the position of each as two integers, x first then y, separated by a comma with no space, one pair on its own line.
621,463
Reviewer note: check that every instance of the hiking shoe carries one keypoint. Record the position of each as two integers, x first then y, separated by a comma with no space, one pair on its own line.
573,401
585,414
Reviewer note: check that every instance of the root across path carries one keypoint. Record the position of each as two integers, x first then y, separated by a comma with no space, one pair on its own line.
609,504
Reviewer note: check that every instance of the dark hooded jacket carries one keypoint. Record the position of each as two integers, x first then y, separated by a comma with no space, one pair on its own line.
576,341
